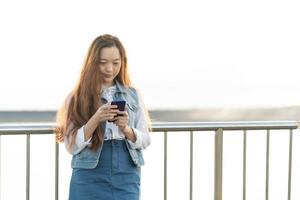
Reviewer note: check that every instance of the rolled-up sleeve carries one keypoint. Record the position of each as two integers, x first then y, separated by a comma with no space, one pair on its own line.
141,129
79,144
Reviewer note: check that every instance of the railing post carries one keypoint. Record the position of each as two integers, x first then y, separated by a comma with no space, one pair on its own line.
0,166
267,164
290,164
218,163
244,165
27,166
191,164
165,164
56,169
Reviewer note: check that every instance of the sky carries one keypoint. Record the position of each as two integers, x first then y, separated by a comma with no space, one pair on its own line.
182,54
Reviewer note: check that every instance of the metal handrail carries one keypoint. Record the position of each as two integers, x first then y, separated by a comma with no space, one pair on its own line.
46,128
165,127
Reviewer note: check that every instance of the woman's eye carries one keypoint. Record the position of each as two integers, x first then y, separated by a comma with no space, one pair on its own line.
116,63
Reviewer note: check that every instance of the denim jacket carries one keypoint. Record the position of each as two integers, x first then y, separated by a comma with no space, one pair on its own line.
89,159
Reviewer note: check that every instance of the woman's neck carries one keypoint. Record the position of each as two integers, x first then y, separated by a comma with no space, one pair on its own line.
106,85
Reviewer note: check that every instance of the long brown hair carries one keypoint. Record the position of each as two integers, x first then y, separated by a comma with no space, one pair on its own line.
84,100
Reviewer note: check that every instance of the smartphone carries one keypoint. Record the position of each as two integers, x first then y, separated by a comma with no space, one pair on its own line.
121,106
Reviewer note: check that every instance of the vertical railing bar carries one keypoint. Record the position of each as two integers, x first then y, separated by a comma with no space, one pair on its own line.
165,164
218,163
244,164
27,166
56,169
0,166
191,163
290,164
267,164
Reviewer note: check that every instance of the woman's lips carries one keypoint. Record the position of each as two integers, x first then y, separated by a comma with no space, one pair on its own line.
108,75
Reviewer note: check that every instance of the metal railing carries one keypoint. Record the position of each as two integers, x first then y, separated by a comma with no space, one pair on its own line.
217,127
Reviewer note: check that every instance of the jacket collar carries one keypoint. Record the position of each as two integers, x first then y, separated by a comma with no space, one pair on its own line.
120,92
120,88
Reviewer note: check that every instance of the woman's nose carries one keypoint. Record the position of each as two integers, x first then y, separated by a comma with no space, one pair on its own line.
109,67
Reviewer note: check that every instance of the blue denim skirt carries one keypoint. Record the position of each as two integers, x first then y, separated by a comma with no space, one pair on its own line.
115,177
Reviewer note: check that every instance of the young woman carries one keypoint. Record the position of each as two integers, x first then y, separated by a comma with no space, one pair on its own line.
106,143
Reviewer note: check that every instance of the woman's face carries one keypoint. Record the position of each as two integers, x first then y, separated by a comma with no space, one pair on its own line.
110,64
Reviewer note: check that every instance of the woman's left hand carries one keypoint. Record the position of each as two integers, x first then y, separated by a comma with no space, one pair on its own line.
122,120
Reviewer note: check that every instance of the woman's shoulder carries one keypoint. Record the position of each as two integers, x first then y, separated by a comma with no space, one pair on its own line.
69,97
131,90
134,90
136,94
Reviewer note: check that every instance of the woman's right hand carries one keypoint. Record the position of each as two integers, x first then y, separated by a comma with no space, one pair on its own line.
106,112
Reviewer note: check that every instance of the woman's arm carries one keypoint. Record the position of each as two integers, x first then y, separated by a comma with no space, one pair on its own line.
141,129
79,144
138,135
90,127
75,142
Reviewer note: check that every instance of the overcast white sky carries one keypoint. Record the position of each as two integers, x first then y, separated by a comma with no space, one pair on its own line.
182,54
